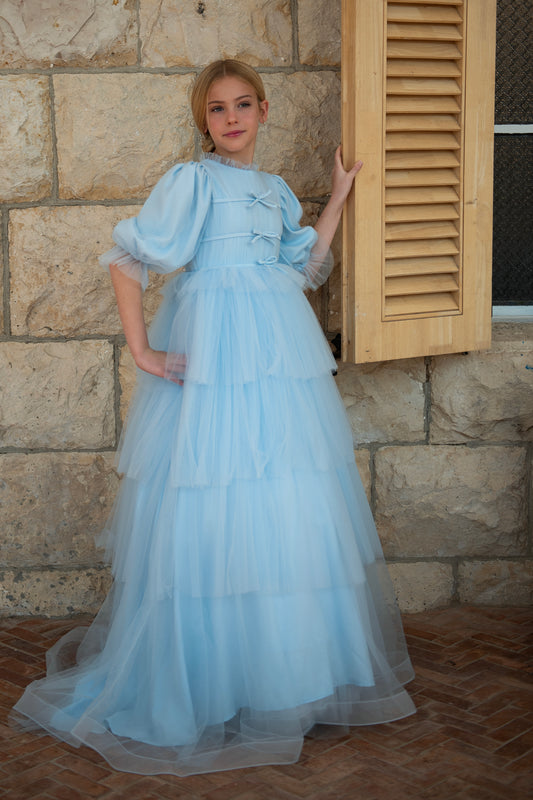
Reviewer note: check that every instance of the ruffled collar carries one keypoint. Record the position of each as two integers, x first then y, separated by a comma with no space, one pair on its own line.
229,162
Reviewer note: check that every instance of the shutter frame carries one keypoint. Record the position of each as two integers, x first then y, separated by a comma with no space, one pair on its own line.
385,316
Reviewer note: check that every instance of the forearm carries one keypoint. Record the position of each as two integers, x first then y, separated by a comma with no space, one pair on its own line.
129,296
130,308
341,184
328,222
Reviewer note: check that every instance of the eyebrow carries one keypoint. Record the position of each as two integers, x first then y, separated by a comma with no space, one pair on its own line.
218,102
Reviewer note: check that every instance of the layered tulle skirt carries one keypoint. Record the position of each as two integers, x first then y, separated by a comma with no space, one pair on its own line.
250,597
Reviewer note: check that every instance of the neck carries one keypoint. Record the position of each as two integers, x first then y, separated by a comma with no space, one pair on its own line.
230,162
236,158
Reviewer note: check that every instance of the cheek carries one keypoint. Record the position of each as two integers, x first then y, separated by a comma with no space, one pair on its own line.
252,117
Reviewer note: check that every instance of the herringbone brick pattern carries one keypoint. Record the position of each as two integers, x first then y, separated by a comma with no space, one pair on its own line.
472,738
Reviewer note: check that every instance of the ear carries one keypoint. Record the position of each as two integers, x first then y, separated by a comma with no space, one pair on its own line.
263,110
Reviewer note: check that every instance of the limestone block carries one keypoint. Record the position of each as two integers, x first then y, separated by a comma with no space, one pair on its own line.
450,501
316,301
299,139
127,373
328,297
485,396
51,592
319,32
67,33
385,401
57,285
184,34
422,586
362,459
1,288
53,505
25,138
496,583
57,394
310,213
335,287
503,333
118,133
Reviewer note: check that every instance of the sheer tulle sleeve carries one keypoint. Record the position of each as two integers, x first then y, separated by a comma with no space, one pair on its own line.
302,247
126,263
165,233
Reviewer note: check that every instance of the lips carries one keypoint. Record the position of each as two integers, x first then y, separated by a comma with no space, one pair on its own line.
233,133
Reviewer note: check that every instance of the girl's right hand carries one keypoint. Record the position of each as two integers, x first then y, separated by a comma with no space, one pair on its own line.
164,365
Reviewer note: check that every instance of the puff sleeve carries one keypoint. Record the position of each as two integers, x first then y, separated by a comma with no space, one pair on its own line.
165,234
302,247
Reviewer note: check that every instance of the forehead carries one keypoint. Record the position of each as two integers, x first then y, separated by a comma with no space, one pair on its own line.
228,88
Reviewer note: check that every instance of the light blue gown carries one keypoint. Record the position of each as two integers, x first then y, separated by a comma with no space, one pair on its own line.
250,597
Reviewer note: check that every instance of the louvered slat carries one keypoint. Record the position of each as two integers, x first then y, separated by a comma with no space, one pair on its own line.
419,213
421,177
421,266
403,231
426,2
423,86
422,122
421,248
399,48
422,68
421,284
400,30
413,195
421,159
432,140
406,104
420,304
416,13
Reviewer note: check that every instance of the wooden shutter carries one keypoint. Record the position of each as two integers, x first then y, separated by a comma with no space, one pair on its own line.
418,99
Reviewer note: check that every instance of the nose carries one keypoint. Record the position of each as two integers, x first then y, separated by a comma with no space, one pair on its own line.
231,116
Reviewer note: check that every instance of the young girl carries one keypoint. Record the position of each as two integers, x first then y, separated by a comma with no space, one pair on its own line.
250,597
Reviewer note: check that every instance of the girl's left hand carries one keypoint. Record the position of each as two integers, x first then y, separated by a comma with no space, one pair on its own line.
170,366
341,179
175,366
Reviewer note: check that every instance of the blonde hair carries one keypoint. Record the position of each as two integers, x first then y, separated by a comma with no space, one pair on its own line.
204,81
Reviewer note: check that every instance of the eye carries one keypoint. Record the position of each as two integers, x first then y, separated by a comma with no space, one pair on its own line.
216,108
245,104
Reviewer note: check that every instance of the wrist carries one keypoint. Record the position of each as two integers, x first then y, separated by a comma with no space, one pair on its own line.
140,355
336,203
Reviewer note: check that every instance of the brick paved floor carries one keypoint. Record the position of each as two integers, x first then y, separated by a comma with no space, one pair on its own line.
472,737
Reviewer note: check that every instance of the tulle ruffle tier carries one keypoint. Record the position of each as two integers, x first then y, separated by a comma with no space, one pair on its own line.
254,385
188,685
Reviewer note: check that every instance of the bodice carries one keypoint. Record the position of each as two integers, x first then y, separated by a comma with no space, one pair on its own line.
244,225
213,215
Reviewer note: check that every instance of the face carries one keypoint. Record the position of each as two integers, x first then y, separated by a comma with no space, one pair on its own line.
233,117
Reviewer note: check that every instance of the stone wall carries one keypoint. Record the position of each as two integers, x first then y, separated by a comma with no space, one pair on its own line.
93,109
